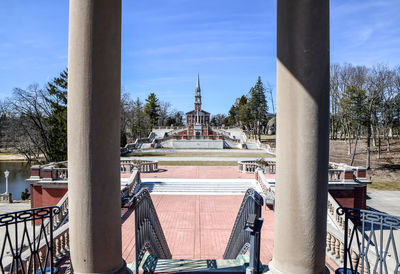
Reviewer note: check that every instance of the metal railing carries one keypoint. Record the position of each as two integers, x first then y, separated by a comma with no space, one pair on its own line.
34,238
370,247
239,241
149,235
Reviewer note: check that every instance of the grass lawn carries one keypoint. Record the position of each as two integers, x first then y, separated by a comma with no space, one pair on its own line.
197,163
384,185
199,154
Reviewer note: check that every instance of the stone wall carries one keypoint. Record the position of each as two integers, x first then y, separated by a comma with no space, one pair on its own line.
218,144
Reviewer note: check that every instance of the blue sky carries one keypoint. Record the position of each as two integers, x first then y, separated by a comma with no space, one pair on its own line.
165,44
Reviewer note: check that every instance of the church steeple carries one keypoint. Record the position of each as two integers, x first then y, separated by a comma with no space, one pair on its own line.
197,97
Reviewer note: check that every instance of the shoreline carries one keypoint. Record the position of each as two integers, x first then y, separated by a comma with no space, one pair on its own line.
12,158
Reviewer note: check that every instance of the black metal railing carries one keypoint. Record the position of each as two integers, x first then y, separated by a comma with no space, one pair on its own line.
149,235
369,242
25,230
239,241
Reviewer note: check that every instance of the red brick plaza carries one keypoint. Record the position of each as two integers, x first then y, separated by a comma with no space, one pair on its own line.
197,226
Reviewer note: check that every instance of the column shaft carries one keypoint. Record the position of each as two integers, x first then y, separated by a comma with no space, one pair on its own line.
94,68
302,136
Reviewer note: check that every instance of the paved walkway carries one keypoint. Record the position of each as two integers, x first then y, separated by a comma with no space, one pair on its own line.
197,226
198,172
385,201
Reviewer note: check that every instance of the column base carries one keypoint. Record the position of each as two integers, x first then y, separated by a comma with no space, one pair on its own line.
273,270
121,269
6,198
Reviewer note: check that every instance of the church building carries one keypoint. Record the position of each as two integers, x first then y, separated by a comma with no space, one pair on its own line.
197,120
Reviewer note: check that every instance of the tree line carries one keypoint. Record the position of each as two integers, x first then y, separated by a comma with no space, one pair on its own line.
34,120
138,118
365,103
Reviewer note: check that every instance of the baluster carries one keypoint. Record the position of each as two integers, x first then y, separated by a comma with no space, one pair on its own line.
328,241
342,252
337,248
67,241
63,251
57,250
42,258
333,247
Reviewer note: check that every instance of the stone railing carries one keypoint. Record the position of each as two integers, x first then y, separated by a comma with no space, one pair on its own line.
359,172
50,172
61,218
268,189
145,166
130,188
335,250
337,219
251,166
169,127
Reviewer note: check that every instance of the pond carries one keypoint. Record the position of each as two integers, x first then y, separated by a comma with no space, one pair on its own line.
19,172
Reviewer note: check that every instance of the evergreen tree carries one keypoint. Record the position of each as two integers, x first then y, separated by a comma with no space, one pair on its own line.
152,108
258,106
56,121
140,121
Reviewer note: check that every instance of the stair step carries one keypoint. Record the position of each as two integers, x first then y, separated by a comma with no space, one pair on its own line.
151,264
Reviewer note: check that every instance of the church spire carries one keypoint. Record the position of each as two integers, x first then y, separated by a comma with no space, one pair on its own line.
198,82
197,97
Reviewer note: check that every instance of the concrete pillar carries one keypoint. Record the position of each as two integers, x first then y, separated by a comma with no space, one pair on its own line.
94,69
302,136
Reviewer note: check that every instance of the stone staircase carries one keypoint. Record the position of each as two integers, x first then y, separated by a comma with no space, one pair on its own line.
199,186
151,264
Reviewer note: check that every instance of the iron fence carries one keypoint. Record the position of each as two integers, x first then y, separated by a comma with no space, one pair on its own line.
370,245
32,236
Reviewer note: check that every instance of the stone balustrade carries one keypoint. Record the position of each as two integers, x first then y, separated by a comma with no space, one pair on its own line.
145,166
129,189
49,172
59,218
267,188
251,166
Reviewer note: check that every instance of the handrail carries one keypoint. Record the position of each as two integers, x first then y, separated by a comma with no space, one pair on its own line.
375,252
149,235
239,241
41,251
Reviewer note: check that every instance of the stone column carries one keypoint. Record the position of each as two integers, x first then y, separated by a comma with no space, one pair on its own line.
302,136
94,68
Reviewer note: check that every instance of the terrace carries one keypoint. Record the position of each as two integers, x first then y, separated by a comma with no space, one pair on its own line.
95,240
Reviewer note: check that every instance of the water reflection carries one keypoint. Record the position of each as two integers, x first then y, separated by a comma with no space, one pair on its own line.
19,172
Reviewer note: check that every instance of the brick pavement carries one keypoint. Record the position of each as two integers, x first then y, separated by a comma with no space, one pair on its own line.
200,172
196,226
